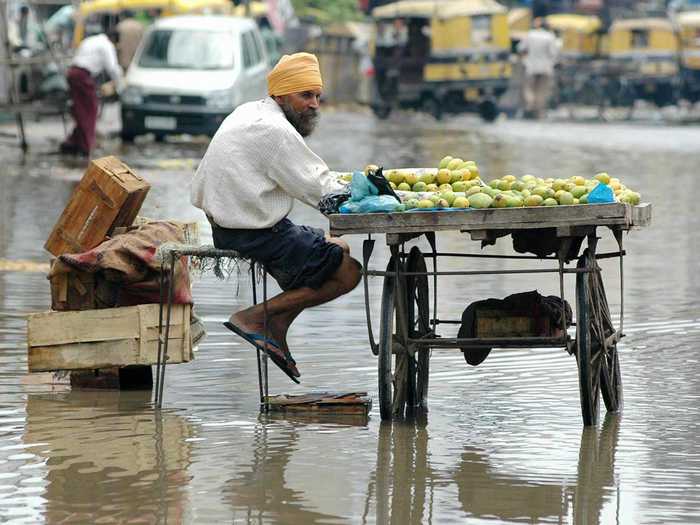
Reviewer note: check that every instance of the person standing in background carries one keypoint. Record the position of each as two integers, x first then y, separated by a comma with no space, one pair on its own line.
541,50
94,55
129,31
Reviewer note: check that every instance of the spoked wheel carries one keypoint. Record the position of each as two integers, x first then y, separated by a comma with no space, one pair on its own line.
404,314
598,366
418,314
386,330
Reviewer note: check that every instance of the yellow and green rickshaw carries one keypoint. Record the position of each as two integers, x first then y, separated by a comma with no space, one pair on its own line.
441,56
107,13
580,60
688,27
643,60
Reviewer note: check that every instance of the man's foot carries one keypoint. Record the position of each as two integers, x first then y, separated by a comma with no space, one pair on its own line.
281,357
67,149
70,149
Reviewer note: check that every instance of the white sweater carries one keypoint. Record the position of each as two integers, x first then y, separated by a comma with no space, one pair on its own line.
254,168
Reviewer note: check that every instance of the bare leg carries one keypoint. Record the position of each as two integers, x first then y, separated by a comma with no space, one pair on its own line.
286,306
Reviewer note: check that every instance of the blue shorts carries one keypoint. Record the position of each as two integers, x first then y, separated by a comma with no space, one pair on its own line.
296,256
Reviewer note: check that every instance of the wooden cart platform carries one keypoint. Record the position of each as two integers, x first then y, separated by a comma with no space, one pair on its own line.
408,326
621,215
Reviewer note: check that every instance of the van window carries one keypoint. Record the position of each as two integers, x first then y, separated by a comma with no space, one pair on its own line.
251,52
247,52
258,47
188,49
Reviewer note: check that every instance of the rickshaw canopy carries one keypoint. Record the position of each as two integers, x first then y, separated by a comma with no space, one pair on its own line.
437,9
688,19
169,6
580,23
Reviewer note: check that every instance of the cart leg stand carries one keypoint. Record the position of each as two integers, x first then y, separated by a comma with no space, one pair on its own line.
266,387
257,350
163,335
263,383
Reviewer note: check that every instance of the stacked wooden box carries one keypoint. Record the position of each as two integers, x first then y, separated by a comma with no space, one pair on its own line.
82,331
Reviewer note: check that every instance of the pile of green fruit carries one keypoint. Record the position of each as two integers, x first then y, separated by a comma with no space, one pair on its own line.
456,183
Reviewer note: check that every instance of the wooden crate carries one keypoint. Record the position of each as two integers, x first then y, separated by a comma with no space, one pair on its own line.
108,196
506,323
78,290
105,338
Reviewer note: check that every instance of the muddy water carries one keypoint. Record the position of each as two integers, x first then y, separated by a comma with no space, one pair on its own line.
503,442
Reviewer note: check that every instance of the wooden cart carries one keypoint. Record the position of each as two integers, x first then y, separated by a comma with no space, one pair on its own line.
408,326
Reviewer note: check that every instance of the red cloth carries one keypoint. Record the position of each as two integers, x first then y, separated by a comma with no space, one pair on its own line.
83,93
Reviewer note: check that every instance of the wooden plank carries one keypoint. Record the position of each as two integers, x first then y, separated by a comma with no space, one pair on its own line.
351,403
100,354
104,338
108,324
491,219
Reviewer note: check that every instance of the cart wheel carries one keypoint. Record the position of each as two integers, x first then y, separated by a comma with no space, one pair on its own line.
386,330
418,326
610,377
588,366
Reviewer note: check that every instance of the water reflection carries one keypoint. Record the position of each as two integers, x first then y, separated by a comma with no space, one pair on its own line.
404,478
261,492
405,481
108,456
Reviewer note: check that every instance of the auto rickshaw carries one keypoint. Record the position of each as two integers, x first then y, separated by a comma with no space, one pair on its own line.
643,58
441,56
106,13
688,27
580,61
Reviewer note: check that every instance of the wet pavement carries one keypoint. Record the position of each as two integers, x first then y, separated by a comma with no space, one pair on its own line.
503,442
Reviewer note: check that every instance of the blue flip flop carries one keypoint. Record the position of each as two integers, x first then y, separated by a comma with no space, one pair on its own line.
259,341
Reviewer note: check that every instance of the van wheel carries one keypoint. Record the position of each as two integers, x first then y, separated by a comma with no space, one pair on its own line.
127,137
159,137
432,106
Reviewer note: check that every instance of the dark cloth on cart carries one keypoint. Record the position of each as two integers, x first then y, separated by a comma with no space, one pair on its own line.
130,260
296,256
543,242
537,305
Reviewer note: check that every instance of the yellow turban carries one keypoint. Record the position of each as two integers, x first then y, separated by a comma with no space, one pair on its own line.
294,74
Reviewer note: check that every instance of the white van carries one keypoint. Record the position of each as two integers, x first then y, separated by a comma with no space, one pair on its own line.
190,72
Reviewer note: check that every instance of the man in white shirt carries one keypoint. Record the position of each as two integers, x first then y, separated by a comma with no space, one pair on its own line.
94,55
541,50
256,165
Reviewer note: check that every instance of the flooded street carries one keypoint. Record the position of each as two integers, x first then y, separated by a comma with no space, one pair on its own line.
503,442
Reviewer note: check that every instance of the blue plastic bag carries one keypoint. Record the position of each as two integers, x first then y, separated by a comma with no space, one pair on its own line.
361,187
602,193
372,204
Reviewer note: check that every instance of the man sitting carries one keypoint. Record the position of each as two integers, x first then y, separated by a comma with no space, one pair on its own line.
256,165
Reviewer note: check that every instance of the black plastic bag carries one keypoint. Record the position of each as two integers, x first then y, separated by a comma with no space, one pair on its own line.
330,202
376,177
